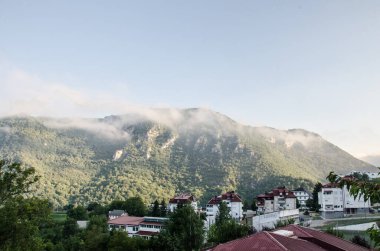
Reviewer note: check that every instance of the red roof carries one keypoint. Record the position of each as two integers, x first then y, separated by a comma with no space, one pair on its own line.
303,239
323,239
127,220
182,198
280,191
231,196
267,241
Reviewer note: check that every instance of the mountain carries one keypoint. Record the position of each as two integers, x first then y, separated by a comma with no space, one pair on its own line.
156,153
372,159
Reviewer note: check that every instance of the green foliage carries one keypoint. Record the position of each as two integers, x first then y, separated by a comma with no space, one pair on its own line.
184,230
76,165
360,241
78,213
119,241
155,209
15,180
370,190
283,223
335,232
313,203
163,209
226,228
20,223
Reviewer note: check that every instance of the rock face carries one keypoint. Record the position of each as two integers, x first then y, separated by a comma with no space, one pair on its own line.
157,153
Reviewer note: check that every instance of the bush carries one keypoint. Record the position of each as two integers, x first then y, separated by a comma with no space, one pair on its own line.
360,241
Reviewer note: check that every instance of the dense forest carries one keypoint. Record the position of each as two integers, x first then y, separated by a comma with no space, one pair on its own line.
158,154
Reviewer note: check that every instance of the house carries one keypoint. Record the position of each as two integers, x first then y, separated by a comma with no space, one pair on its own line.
278,199
115,214
138,226
290,238
302,196
181,200
337,202
233,201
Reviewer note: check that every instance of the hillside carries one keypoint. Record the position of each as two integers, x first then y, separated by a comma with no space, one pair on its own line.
159,152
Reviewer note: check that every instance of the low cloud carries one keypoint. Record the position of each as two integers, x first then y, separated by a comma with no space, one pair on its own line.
97,127
289,137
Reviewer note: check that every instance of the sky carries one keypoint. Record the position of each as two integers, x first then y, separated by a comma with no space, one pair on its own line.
285,64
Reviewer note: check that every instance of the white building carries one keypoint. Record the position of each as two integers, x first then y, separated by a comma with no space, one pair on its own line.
233,201
181,200
138,226
336,202
302,196
276,200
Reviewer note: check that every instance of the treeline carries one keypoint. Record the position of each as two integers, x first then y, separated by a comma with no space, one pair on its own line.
27,222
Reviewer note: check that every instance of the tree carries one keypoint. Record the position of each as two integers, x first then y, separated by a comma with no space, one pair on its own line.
312,203
20,223
135,206
298,204
184,230
15,180
156,209
226,228
370,190
21,218
78,213
163,209
254,206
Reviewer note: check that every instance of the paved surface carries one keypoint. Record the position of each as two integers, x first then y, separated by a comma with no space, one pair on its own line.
319,223
358,227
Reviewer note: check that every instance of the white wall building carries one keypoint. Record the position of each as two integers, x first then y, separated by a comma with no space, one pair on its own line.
138,226
233,201
276,200
181,200
335,202
302,196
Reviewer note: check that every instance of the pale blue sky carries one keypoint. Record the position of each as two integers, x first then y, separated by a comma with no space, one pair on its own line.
285,64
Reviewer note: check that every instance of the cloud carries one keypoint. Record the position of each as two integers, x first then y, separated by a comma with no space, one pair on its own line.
99,128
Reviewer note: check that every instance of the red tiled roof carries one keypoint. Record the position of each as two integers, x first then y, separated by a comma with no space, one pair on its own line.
276,192
267,241
323,239
182,198
146,233
127,220
231,196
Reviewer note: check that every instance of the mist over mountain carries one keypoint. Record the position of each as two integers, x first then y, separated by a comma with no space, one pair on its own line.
372,159
156,153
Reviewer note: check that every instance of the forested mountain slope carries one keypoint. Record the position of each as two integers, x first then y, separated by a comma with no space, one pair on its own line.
159,152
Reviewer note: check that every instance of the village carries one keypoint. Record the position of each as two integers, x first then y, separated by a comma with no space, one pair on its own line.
282,210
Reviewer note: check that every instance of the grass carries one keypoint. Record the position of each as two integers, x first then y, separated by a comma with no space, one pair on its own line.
348,235
59,217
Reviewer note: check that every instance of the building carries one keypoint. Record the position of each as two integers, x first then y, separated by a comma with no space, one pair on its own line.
181,200
138,226
290,238
115,214
337,202
278,199
233,201
371,175
302,196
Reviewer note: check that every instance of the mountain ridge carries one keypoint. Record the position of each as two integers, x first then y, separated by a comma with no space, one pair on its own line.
161,152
